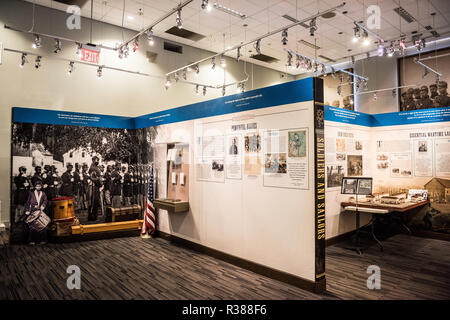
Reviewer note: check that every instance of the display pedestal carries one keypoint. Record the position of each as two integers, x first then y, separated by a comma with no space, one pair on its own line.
171,205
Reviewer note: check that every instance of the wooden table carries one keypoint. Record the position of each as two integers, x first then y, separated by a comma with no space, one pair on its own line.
386,208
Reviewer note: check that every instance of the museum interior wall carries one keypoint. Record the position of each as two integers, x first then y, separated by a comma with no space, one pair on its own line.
126,94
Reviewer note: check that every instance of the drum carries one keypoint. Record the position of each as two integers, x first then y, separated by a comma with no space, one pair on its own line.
63,209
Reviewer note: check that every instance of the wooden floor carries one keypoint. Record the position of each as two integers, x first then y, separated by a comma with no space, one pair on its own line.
133,268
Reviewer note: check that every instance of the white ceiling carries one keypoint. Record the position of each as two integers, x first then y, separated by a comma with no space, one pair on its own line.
333,36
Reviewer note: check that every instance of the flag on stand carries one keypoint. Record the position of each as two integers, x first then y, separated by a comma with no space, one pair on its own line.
149,224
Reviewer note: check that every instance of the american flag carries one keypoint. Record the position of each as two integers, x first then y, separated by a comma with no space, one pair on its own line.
149,215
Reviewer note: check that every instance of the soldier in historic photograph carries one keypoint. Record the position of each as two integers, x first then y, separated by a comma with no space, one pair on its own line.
107,185
433,91
77,186
442,100
96,200
86,184
425,102
409,103
68,182
37,175
416,95
116,186
127,188
22,184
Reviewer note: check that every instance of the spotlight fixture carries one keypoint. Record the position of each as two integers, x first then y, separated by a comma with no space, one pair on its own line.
284,35
57,46
341,77
70,68
23,60
167,83
364,83
366,41
402,46
425,72
196,89
125,51
339,90
258,46
289,59
177,77
353,59
356,34
240,87
79,46
357,84
238,54
204,90
37,42
37,63
420,44
184,74
312,27
150,39
197,70
206,5
381,50
297,62
223,91
178,20
223,62
136,45
333,73
375,96
391,49
99,72
213,63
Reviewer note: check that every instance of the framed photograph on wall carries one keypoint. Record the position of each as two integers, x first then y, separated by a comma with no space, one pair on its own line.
424,91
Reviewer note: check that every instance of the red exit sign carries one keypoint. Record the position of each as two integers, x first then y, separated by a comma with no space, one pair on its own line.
90,54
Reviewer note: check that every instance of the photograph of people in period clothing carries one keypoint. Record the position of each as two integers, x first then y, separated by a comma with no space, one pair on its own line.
354,165
297,144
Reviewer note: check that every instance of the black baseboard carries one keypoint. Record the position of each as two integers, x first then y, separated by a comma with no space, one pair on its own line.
316,287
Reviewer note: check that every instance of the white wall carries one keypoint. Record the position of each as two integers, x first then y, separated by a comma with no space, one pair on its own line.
267,225
117,93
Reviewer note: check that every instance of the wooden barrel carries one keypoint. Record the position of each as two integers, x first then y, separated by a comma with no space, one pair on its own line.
63,209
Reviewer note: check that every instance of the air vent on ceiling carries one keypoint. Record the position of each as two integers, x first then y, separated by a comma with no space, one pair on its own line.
309,44
264,58
292,19
404,14
79,3
173,47
326,58
184,33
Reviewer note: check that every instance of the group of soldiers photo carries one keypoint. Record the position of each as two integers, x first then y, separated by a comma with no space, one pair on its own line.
93,187
433,96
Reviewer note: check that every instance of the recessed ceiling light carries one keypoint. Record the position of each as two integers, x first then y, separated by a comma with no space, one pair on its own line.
130,18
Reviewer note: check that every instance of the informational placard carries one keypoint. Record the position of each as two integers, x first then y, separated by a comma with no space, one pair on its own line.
423,158
285,158
252,153
210,159
401,165
442,152
233,162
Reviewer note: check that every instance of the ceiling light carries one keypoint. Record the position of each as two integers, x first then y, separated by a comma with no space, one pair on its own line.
402,46
289,59
37,63
258,46
178,20
184,74
70,68
391,49
196,90
79,54
230,11
130,18
204,90
150,39
57,46
37,42
197,70
23,60
375,96
312,27
381,50
366,41
99,72
206,5
223,62
284,35
238,54
353,59
223,91
339,90
167,83
136,45
213,63
357,34
177,77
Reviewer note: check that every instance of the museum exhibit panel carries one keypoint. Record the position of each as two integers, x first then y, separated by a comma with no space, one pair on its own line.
224,150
